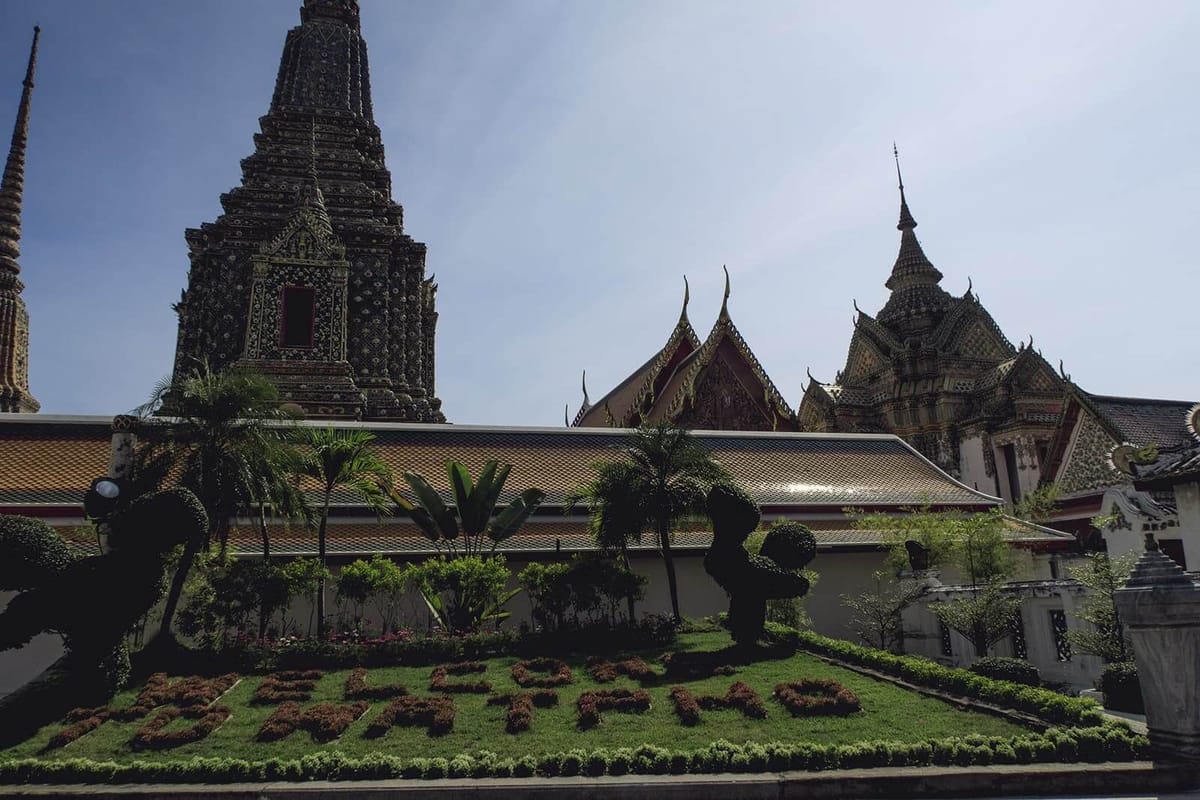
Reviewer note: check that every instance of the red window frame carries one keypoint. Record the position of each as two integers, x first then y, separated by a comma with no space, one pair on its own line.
283,317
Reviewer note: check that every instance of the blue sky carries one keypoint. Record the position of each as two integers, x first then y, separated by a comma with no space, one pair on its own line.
567,162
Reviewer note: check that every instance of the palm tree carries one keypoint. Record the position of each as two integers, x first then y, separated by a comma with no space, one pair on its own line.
618,517
342,460
664,477
216,442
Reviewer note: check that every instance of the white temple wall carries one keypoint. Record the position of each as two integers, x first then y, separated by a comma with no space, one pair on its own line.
973,466
1187,503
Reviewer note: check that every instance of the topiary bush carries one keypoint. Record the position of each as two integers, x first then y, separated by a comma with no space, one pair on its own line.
1007,669
752,580
31,552
1121,687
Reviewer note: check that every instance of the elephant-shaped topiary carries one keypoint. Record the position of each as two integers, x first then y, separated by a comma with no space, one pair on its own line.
753,580
91,602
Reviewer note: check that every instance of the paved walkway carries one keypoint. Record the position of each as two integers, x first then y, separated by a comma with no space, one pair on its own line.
1140,779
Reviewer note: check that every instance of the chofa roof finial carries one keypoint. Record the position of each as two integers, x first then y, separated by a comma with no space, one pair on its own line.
725,300
586,402
687,296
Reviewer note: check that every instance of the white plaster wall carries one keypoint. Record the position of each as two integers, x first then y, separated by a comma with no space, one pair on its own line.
973,467
1187,502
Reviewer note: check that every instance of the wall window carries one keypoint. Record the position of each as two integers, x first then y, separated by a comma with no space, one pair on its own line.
299,310
1010,466
1058,625
1174,549
1018,639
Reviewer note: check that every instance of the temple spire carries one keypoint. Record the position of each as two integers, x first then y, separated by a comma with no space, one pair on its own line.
906,218
916,298
310,196
12,186
14,318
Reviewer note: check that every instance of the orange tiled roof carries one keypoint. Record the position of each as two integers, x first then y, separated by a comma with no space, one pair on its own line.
51,461
48,461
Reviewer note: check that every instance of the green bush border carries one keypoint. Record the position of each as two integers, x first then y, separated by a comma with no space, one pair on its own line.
1043,703
1057,745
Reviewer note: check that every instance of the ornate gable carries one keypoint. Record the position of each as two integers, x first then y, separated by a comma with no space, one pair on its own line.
969,331
1032,373
1085,463
720,401
695,388
306,239
864,360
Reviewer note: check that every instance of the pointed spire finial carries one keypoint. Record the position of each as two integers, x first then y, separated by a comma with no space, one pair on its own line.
899,177
566,411
856,308
970,285
12,186
586,402
725,300
906,218
808,371
687,296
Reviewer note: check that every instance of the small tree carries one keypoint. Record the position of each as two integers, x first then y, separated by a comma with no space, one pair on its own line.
391,583
878,615
985,616
666,477
1103,576
342,460
302,578
356,582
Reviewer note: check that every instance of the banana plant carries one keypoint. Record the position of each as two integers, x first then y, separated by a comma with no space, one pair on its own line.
464,527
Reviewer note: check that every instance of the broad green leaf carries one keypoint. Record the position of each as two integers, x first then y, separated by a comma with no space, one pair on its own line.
483,490
497,486
433,504
419,516
513,517
460,481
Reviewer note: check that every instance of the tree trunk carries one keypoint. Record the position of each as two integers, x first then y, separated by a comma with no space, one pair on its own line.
262,600
664,541
321,578
628,566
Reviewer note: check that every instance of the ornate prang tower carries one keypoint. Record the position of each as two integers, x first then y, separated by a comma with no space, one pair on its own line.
308,276
14,319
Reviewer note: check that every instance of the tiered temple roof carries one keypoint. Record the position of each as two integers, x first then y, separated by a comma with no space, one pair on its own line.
717,384
930,366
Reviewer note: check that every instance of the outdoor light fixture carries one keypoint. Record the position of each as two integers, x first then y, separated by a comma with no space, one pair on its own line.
100,500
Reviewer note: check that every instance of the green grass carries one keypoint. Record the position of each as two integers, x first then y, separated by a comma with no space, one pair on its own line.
888,712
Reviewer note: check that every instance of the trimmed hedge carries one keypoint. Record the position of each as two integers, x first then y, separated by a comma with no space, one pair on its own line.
1007,669
1122,689
1109,742
1042,703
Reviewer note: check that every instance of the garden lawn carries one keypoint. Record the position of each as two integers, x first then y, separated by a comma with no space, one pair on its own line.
888,713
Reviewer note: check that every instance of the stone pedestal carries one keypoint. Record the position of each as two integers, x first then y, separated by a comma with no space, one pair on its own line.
1160,607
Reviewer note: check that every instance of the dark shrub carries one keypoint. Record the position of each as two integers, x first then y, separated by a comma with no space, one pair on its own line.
1122,690
1007,669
